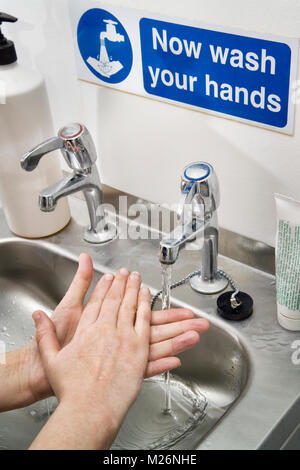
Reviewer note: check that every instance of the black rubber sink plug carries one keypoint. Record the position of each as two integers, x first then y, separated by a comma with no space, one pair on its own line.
239,312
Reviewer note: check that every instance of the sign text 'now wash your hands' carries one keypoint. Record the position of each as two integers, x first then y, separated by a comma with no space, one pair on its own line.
219,55
240,76
226,72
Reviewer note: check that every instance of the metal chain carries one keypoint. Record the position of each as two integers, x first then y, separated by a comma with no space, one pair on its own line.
235,303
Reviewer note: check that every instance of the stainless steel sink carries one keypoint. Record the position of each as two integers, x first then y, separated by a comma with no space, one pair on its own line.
238,368
35,275
31,277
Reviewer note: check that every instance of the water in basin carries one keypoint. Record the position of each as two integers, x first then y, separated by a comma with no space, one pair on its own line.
150,427
173,411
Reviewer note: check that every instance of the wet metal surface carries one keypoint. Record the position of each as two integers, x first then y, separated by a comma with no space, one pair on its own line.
245,370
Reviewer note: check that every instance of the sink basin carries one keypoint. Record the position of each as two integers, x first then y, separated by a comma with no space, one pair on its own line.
35,275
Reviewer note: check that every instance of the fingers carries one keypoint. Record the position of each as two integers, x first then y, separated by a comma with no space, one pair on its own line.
143,315
173,346
111,303
93,307
161,366
163,317
171,330
128,309
45,336
80,284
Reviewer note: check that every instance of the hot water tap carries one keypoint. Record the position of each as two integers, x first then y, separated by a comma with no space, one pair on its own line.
78,149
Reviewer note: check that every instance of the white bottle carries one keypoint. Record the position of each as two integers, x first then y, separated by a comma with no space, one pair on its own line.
25,121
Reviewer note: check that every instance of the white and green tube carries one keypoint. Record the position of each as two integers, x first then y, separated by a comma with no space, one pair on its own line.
288,262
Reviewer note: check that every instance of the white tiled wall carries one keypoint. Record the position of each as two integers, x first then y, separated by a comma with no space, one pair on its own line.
144,144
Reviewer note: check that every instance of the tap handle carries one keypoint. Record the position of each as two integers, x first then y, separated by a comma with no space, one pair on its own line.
200,180
79,149
197,172
189,204
76,145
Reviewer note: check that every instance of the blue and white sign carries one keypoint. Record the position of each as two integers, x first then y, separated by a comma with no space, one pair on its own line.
104,46
244,76
236,75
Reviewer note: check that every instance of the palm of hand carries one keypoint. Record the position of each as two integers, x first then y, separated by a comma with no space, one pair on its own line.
171,332
65,318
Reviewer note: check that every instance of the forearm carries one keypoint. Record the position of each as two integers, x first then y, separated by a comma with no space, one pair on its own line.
22,378
71,427
14,387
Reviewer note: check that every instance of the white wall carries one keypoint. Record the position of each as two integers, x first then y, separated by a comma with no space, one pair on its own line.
144,144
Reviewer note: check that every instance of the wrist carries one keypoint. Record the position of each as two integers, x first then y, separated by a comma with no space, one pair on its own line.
75,425
31,369
24,378
95,413
16,393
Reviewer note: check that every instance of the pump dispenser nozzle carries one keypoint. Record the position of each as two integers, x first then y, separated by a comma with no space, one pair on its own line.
8,53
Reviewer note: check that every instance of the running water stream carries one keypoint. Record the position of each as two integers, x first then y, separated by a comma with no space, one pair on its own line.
167,410
166,283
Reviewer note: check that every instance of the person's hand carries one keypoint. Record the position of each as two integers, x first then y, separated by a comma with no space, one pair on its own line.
98,375
23,374
173,331
107,359
65,318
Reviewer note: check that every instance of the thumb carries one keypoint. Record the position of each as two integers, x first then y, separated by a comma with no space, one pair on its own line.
45,336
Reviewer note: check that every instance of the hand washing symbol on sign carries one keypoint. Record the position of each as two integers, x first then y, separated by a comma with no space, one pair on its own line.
104,46
104,65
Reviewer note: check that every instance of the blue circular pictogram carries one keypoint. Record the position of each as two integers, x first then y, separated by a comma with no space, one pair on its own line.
104,45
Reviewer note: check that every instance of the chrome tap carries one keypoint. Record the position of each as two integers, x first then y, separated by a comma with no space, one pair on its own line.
197,216
78,149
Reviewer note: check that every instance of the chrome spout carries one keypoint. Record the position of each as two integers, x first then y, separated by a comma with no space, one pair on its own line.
170,247
71,184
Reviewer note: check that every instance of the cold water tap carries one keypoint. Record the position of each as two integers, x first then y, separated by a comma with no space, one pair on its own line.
197,217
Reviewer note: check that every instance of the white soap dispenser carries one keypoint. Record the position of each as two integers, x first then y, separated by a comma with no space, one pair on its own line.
25,120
